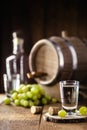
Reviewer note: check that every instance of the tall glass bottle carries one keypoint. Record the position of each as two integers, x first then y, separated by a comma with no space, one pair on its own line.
17,63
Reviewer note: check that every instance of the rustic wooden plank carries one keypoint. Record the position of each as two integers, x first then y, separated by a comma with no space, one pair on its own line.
17,118
45,125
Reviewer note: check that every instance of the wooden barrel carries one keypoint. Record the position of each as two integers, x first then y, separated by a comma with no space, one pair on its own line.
62,58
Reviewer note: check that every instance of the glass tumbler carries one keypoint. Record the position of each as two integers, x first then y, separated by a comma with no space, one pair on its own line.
69,93
11,84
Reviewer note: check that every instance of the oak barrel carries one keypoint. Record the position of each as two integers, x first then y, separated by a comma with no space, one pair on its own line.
62,58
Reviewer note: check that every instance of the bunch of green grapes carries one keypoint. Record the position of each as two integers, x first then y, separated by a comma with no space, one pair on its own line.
31,95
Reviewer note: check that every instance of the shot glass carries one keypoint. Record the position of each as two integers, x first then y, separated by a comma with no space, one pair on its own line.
11,84
69,93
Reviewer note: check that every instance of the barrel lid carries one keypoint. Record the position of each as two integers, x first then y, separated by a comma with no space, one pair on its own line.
44,58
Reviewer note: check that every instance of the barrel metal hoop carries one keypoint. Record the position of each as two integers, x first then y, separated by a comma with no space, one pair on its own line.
73,53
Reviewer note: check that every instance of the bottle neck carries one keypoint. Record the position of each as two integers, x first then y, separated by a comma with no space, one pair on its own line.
18,45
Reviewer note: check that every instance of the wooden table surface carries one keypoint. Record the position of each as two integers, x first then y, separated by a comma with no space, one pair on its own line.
19,118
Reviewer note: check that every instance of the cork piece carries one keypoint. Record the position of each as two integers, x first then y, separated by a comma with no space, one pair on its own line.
53,110
36,109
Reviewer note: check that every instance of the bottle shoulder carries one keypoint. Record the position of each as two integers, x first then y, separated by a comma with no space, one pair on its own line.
19,56
11,57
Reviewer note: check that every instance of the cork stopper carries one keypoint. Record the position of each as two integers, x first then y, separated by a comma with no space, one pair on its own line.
53,110
36,109
17,39
64,34
17,43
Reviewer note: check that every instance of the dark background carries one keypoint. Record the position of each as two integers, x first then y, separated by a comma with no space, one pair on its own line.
39,19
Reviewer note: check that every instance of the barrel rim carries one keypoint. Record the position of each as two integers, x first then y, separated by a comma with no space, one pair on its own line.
32,53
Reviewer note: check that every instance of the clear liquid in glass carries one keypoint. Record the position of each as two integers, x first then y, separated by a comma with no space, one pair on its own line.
69,97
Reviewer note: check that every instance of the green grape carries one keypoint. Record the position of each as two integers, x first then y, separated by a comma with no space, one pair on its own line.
25,89
24,96
42,91
48,97
25,103
54,100
19,96
17,102
21,102
29,94
29,86
14,95
62,113
44,101
39,95
31,103
20,88
34,97
83,110
7,101
37,102
35,90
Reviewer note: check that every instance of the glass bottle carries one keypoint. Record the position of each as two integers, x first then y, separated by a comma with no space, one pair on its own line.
17,63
